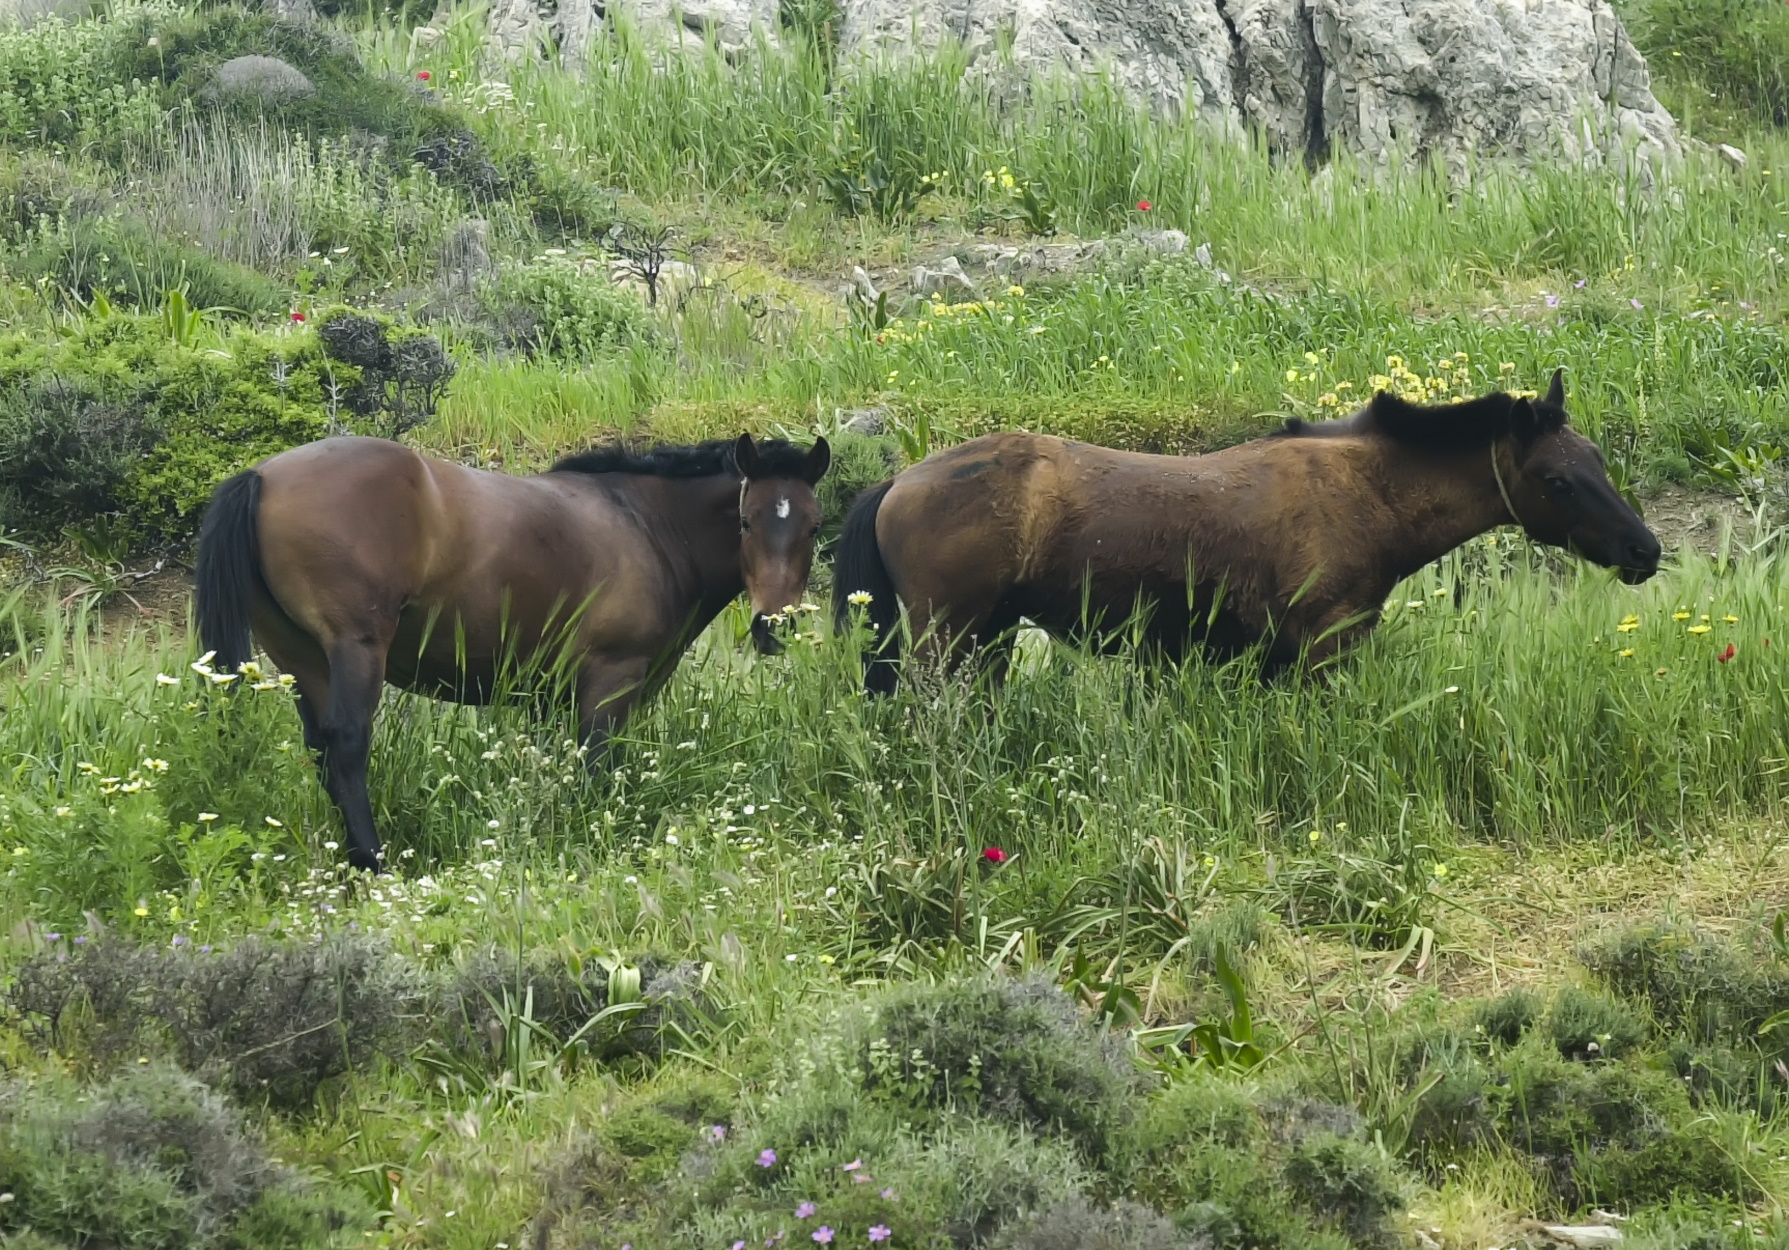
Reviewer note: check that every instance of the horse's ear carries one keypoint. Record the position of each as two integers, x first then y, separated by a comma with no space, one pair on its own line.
819,459
1556,392
745,456
1524,422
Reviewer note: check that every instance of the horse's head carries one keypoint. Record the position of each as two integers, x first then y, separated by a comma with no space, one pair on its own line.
778,518
1561,494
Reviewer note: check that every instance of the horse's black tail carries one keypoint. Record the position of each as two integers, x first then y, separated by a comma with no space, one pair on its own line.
857,569
229,569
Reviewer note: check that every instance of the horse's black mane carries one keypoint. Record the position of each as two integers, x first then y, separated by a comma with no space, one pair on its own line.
776,458
1441,427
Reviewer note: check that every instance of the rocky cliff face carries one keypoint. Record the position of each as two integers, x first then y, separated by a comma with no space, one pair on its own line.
1384,79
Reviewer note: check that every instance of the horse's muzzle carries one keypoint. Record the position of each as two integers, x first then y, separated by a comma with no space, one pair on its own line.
764,635
1633,575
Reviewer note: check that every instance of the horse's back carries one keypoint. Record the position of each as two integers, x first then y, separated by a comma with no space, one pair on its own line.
985,508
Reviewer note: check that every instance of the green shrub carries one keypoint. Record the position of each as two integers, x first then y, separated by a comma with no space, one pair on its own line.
1348,1183
274,1020
1613,1133
858,462
553,308
1242,1167
1019,1051
1709,987
1078,1225
1507,1019
122,417
152,1160
1586,1025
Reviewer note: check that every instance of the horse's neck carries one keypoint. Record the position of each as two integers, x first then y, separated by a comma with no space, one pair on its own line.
1439,502
695,522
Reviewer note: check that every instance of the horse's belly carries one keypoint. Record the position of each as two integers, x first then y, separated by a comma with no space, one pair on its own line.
1159,613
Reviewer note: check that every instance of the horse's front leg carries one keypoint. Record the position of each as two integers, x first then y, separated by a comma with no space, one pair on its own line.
608,690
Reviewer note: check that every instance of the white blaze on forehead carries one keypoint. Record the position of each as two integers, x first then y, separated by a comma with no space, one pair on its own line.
782,507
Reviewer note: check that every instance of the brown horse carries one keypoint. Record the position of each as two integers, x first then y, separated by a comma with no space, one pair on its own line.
1294,540
357,561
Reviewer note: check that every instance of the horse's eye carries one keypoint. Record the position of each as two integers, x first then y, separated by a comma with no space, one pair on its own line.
1559,486
745,526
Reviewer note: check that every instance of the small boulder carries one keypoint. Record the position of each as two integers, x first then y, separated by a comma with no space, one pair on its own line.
866,421
258,80
944,278
1735,157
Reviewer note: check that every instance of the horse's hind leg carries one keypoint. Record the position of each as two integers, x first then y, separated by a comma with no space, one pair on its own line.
345,732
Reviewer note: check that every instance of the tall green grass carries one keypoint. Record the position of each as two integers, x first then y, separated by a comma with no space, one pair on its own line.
767,130
1499,702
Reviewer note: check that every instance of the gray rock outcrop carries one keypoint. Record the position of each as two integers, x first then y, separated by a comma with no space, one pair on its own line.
259,80
1384,79
524,27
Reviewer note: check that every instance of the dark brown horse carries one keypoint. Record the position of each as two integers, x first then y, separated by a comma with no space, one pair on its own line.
1294,540
356,562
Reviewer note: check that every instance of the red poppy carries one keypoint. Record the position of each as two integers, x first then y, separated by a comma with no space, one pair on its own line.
1728,654
297,316
423,75
994,855
1143,206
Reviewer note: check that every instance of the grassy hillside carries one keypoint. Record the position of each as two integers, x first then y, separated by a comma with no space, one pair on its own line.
1486,929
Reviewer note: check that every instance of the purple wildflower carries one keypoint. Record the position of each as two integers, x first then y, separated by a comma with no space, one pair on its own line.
1579,284
1552,301
859,1178
206,949
1637,304
717,1132
81,939
804,1210
767,1158
888,1194
52,937
180,939
823,1235
739,1245
880,1232
856,1165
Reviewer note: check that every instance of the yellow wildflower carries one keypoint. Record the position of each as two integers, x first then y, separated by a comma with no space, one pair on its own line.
1700,629
1625,653
1680,616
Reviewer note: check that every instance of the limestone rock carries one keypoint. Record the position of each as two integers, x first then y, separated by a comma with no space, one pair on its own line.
260,80
866,421
1387,80
465,257
945,278
520,26
1176,54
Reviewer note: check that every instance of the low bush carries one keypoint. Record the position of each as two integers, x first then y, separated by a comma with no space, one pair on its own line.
1017,1051
1585,1025
152,1160
127,417
1242,1165
557,309
274,1021
1711,988
1620,1134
